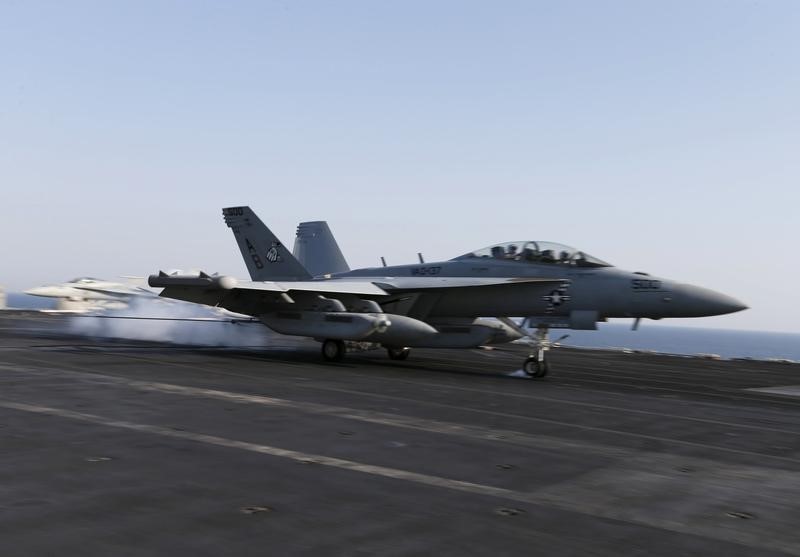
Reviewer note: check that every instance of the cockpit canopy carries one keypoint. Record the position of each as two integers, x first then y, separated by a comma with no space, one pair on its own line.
85,280
536,252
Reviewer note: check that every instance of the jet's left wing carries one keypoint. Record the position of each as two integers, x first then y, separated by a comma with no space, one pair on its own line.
120,291
416,296
205,281
417,284
257,298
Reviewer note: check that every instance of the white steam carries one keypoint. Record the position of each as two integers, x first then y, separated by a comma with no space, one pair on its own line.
159,320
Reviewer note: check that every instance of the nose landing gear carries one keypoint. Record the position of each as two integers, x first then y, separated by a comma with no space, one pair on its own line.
536,364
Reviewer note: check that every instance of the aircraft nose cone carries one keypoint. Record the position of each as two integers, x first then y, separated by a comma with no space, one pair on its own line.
703,302
38,291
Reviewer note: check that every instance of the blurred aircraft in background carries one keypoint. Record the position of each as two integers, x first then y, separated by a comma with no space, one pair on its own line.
86,293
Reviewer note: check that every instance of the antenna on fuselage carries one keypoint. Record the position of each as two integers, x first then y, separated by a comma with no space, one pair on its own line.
383,261
421,259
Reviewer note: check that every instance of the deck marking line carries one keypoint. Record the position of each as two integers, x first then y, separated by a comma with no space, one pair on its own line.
298,456
177,389
740,537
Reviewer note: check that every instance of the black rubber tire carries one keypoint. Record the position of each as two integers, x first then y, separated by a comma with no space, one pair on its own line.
544,368
398,353
535,368
333,350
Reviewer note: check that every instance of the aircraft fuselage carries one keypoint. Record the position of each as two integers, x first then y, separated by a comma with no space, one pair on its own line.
608,291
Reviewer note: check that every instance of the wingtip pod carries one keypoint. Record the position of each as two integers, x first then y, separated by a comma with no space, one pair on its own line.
162,280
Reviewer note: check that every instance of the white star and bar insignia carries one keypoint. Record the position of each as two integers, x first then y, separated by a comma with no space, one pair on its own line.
556,298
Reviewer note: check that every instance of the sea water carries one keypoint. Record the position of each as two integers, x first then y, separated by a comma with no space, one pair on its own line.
727,343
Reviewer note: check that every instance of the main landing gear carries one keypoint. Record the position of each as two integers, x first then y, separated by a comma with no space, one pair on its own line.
333,350
398,353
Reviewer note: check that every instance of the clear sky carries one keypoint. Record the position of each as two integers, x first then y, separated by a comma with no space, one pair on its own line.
659,136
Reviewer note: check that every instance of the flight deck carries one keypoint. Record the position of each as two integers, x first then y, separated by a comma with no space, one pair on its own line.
134,448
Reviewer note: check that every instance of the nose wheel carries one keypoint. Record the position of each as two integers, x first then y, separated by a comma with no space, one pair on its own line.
536,365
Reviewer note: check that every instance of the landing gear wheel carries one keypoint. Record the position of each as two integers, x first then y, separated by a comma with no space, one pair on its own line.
535,367
333,350
398,353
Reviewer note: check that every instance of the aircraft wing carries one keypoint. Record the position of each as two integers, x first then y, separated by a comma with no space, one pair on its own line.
419,284
417,296
204,281
118,291
255,298
380,286
363,288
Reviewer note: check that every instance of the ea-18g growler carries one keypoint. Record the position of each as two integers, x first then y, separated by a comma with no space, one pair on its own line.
437,305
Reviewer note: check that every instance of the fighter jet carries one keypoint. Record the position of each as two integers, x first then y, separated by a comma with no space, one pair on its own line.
437,304
85,293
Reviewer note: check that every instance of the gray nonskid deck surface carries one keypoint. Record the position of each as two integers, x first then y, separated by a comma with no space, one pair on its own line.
126,448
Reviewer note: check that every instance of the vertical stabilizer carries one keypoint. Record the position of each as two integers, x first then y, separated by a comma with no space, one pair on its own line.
266,258
316,249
